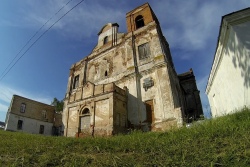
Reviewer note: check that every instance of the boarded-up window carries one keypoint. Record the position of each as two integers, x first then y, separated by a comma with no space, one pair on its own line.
144,51
85,122
76,82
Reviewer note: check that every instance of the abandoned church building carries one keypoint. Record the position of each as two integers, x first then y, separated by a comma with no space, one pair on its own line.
129,81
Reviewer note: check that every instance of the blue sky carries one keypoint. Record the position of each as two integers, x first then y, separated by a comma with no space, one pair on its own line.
191,28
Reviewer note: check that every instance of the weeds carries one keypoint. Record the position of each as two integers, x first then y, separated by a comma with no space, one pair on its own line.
224,141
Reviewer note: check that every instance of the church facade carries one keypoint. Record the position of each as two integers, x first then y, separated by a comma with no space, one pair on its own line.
128,82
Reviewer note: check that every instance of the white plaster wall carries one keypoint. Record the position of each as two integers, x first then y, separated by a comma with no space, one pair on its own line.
152,93
133,103
29,125
72,122
106,33
230,88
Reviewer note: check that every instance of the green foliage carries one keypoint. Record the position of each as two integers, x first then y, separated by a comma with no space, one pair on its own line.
58,104
224,141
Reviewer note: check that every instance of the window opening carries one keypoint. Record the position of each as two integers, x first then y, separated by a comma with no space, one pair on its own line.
144,51
41,130
23,107
105,40
85,111
76,82
44,114
106,73
20,125
139,21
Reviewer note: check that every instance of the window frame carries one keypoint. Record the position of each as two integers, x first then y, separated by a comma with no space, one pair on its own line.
22,108
144,51
76,82
44,114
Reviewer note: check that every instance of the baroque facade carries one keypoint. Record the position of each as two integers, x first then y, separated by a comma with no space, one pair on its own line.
228,87
26,115
128,81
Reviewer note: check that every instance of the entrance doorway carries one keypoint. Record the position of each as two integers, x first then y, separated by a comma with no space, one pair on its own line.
85,120
150,112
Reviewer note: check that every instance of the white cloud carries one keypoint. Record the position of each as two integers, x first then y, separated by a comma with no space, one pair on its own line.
191,28
3,108
7,93
187,25
84,21
6,96
192,25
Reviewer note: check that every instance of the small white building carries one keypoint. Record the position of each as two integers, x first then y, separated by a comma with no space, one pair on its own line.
26,115
228,87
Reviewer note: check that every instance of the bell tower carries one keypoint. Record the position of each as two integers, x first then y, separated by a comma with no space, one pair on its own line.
140,17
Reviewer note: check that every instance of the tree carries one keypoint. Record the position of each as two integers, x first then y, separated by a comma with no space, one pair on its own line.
58,104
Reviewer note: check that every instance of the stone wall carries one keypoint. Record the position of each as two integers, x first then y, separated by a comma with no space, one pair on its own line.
105,104
140,60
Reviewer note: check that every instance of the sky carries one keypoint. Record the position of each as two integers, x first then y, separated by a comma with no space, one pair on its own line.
40,40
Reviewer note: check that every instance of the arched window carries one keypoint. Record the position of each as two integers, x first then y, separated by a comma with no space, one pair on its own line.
139,21
106,73
85,111
84,120
105,40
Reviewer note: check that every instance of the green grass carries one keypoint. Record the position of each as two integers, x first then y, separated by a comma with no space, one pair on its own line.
224,141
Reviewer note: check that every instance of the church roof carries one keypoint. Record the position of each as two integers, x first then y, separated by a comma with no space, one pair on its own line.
186,75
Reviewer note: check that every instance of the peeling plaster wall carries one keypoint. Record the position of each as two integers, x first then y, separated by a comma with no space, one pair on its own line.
72,126
100,101
119,63
104,117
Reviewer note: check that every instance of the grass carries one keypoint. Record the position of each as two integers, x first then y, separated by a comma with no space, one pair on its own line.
224,141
